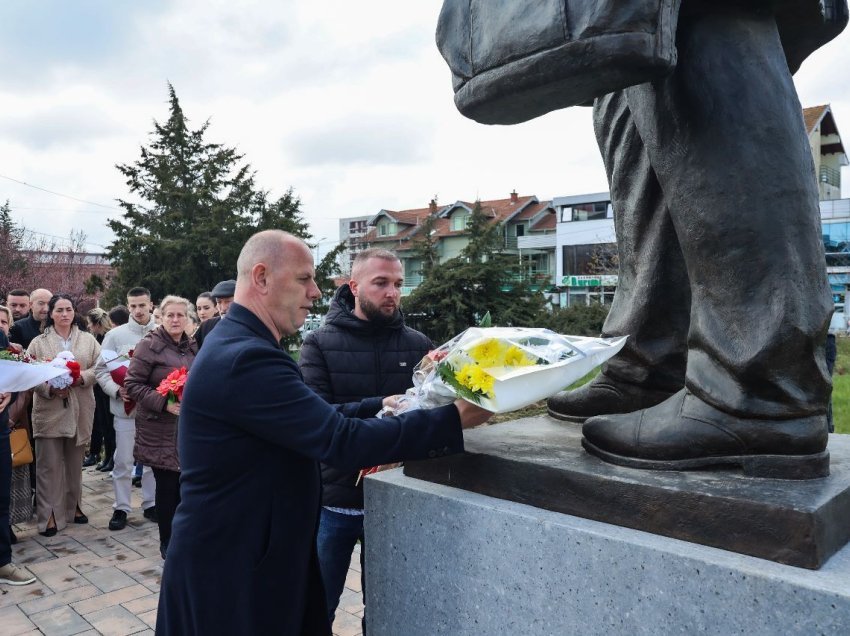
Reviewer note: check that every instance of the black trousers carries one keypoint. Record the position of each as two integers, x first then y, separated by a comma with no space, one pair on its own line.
167,498
5,493
723,283
103,430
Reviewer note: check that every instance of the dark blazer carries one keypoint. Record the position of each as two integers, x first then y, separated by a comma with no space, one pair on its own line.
242,558
24,331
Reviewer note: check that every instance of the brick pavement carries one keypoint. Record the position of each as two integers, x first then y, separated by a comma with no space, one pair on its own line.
93,581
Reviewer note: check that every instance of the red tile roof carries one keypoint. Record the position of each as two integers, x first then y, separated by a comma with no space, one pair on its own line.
548,222
813,115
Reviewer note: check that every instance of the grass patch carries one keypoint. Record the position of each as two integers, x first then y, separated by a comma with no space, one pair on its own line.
841,388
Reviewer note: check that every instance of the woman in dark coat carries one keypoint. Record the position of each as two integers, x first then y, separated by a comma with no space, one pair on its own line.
159,353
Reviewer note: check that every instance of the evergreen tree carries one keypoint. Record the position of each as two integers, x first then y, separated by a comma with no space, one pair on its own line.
425,245
196,206
14,263
459,292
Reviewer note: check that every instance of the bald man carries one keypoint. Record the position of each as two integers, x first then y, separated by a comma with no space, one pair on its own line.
23,331
242,557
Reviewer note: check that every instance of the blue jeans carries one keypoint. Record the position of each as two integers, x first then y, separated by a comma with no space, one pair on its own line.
338,534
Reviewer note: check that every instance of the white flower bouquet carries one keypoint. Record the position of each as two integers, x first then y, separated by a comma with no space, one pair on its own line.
503,369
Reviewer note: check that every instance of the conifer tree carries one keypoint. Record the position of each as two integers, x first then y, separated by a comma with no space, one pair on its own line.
194,204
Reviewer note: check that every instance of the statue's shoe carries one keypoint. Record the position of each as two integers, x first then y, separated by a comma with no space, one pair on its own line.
685,433
602,396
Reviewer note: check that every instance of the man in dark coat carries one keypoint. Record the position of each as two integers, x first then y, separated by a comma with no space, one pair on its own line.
363,349
23,331
716,211
242,558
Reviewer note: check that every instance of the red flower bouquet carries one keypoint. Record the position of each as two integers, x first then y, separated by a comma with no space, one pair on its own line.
172,385
117,366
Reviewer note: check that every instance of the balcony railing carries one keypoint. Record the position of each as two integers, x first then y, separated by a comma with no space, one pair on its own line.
830,176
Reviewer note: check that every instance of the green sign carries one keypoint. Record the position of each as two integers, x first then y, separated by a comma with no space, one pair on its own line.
581,281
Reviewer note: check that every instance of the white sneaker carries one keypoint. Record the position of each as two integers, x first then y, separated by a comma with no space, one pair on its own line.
11,574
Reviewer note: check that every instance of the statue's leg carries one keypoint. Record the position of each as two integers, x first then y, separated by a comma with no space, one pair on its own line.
726,139
652,301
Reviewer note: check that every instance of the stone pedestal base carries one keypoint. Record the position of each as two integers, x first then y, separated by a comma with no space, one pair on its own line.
441,560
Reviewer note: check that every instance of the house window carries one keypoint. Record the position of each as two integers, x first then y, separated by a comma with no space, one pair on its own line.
459,222
520,230
590,211
386,229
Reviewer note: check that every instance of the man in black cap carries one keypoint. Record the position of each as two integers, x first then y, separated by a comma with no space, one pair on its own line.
223,294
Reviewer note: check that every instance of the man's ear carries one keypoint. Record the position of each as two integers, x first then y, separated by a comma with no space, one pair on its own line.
259,278
352,284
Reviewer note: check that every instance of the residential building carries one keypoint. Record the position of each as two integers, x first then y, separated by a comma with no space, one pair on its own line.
351,230
446,226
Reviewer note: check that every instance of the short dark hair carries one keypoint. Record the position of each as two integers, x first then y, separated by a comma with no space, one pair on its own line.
19,292
139,291
119,315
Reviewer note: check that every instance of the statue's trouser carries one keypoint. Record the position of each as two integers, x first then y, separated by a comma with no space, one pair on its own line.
718,227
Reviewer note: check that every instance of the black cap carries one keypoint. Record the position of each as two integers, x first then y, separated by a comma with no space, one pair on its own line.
224,289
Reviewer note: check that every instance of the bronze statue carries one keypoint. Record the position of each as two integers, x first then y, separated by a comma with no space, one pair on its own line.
716,212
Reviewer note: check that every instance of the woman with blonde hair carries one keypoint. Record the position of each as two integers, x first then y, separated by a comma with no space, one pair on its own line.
166,348
6,320
62,419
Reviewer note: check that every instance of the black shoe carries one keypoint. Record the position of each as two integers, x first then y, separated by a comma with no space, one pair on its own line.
13,538
163,548
137,482
81,518
685,433
105,466
118,521
603,396
50,532
150,513
90,460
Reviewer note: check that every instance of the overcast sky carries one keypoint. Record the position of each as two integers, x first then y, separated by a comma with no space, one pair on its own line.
349,103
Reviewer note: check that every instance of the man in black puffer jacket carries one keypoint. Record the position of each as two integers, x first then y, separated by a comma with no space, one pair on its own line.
363,350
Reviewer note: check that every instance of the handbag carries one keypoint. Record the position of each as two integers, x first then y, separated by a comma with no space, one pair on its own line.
513,60
21,449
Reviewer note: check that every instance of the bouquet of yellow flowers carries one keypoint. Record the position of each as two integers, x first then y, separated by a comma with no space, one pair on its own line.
504,368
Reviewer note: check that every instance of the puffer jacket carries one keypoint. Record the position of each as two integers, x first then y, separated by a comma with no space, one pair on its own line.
348,360
155,356
50,418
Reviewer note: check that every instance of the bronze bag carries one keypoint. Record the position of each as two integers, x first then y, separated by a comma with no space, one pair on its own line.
513,60
21,449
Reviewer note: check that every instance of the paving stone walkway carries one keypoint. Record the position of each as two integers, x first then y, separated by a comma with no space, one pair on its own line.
93,581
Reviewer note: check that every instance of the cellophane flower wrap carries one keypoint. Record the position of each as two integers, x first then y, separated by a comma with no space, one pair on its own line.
20,372
65,360
503,369
117,366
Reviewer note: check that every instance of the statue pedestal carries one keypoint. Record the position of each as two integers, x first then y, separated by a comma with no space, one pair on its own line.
447,560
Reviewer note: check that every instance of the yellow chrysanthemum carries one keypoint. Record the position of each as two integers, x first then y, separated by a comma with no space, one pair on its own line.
516,357
490,353
475,379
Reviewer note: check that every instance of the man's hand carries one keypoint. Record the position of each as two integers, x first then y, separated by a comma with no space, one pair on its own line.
471,414
173,408
391,402
122,393
5,398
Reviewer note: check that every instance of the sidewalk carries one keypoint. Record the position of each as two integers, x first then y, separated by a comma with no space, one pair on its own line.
93,581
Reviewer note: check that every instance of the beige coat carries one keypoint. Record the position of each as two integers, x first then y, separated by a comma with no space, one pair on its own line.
49,417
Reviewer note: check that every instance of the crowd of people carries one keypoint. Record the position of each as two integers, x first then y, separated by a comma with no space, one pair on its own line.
117,424
259,437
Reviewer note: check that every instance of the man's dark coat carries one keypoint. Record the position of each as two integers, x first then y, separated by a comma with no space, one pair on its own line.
348,360
242,558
